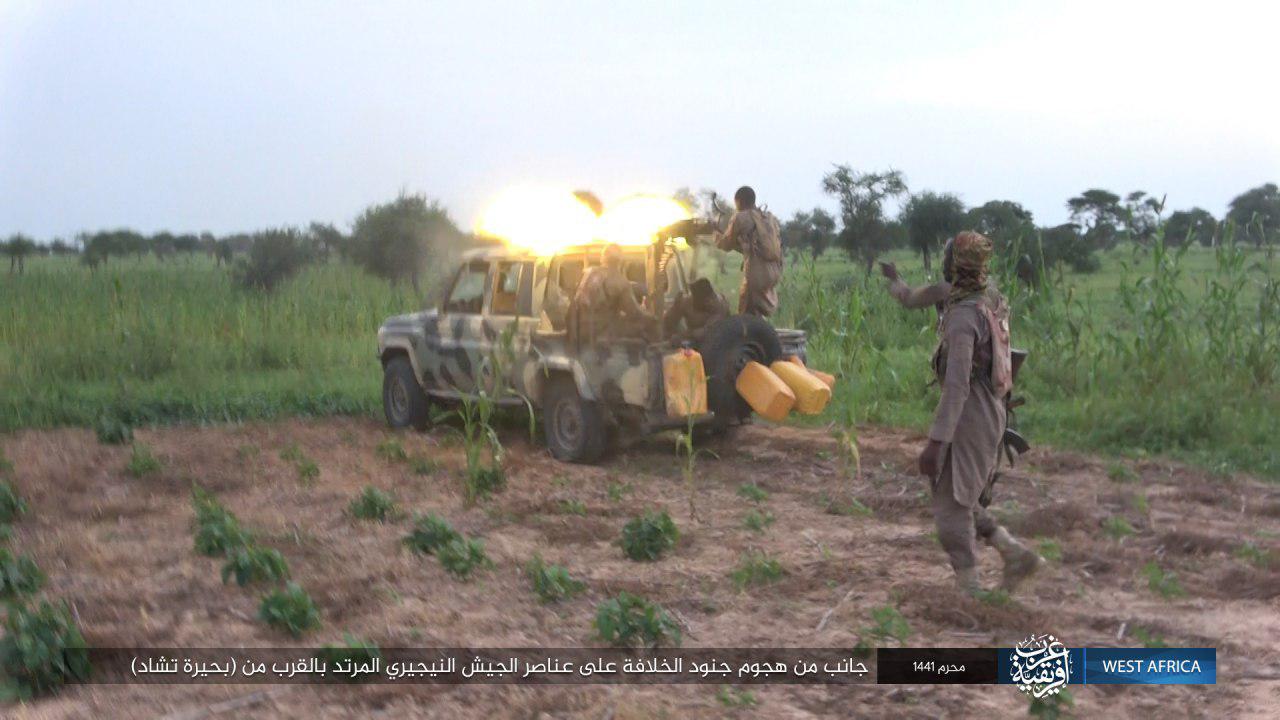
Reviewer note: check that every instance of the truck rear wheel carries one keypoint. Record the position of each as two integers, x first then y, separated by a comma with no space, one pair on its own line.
574,427
403,401
726,348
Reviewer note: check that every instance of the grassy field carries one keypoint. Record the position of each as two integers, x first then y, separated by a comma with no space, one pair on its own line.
1156,353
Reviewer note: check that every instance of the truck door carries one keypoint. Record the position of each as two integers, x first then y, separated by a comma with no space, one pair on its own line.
509,314
459,330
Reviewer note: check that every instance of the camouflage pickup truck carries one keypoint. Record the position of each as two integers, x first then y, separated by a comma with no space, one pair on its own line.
502,324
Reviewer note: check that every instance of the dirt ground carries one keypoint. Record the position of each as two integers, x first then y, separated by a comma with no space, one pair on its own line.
119,549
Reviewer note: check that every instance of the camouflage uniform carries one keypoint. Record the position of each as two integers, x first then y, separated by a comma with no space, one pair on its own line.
969,422
761,261
605,307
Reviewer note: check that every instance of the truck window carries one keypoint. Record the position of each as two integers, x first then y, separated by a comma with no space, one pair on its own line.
467,295
524,300
505,288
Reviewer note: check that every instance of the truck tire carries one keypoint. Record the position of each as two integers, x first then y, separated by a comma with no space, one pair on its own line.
403,401
574,427
726,348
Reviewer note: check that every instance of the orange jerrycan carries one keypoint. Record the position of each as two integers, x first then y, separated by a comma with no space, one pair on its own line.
812,395
685,381
827,378
765,392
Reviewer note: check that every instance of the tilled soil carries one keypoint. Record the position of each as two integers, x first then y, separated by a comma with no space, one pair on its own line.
118,549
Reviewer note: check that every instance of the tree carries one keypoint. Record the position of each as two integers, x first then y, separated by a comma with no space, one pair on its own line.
1065,244
1141,216
60,247
18,248
1098,213
1257,213
929,218
276,255
1192,225
865,233
327,239
394,240
813,231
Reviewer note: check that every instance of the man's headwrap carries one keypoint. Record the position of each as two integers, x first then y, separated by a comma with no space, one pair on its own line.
970,252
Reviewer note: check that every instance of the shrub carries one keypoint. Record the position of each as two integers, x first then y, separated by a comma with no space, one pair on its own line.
275,256
430,533
250,564
41,650
395,240
112,430
552,583
626,619
649,536
752,492
142,461
11,504
373,504
352,651
463,556
19,575
290,610
756,568
217,530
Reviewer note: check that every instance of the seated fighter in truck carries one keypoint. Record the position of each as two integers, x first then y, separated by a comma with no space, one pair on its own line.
695,311
605,305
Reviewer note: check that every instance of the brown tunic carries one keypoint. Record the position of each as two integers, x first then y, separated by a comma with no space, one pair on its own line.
969,416
605,307
761,265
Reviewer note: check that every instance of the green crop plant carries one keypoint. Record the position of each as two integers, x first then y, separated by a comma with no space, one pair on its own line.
752,492
289,610
627,620
732,697
1049,549
423,466
573,506
218,532
757,520
1148,638
756,568
42,649
354,652
1162,582
392,451
11,504
113,430
1051,707
1251,553
142,461
1117,527
19,575
1121,473
552,583
889,624
463,556
689,455
430,532
251,564
649,536
374,504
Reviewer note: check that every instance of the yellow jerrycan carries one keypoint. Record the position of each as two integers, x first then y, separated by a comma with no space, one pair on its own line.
812,395
827,378
685,380
765,392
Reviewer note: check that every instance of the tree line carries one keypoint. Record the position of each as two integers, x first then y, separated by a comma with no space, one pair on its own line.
1099,219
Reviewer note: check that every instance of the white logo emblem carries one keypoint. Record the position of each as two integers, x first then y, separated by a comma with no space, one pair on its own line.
1040,666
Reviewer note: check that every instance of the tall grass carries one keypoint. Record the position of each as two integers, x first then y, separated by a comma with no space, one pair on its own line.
1170,351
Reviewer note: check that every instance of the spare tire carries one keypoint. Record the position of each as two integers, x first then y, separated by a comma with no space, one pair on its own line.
727,347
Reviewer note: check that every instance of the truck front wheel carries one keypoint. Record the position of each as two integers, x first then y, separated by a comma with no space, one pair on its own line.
575,427
403,401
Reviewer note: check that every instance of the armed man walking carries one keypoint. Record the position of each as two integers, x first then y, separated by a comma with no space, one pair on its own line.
974,366
756,235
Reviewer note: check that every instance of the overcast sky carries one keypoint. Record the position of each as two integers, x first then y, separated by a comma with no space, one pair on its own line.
228,115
